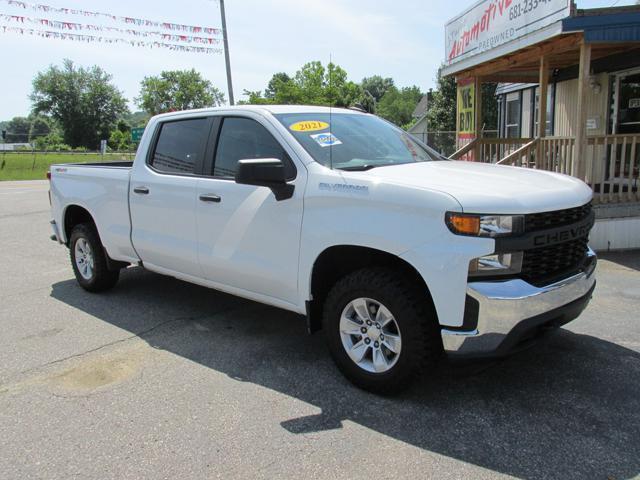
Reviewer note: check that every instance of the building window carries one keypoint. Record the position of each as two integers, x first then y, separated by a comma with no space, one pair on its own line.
512,117
550,110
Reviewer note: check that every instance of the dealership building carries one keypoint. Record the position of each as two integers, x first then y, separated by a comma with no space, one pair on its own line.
585,64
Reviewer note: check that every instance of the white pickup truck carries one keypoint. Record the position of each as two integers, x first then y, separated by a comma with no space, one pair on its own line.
397,253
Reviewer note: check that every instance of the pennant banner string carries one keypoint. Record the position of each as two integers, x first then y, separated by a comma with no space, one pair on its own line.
62,25
118,18
93,38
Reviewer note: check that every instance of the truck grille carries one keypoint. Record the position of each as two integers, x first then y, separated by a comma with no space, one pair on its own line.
541,221
541,266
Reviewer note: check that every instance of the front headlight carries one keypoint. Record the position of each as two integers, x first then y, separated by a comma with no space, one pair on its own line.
484,225
496,264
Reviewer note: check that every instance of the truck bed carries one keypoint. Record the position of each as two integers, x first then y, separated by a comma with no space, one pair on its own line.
122,164
100,188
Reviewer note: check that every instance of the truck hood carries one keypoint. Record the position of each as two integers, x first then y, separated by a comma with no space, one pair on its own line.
487,188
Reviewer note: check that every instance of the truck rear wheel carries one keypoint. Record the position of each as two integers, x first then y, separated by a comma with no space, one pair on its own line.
89,260
380,329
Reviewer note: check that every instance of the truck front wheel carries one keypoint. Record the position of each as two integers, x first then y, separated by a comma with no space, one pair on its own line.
380,329
89,260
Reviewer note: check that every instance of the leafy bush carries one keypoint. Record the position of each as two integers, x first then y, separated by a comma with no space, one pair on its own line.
48,142
119,140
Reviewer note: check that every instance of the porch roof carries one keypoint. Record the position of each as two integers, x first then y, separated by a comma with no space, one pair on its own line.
610,31
598,26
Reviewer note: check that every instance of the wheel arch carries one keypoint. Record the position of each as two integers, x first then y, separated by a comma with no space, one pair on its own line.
336,261
73,215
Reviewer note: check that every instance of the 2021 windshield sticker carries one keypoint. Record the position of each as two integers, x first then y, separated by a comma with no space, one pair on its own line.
326,139
308,126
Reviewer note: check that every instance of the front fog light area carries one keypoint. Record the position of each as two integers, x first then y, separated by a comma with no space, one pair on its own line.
496,264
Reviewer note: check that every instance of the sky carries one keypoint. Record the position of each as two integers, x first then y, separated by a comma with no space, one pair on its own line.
404,41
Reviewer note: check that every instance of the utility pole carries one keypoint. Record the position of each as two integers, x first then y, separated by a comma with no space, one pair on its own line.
226,52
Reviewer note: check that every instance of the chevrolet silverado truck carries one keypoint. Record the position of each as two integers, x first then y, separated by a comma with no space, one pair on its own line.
398,254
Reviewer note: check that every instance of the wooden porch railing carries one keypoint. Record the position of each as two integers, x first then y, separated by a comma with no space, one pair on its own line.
610,165
491,149
521,157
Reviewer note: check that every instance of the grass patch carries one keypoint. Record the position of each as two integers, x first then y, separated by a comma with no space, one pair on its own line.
30,166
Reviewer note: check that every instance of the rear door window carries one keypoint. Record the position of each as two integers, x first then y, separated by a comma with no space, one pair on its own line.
180,146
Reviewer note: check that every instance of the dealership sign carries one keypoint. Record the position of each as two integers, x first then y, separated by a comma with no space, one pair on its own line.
491,23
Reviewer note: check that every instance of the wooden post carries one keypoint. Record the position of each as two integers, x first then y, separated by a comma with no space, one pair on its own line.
543,82
579,166
542,99
477,87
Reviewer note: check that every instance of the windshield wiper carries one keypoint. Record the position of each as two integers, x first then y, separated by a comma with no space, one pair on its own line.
358,168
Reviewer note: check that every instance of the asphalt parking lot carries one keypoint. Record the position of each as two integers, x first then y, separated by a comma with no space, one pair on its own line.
162,379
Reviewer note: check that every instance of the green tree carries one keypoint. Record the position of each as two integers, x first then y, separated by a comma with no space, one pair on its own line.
119,140
441,113
397,105
137,119
276,83
53,141
255,98
18,130
82,100
176,90
313,84
489,106
376,86
40,127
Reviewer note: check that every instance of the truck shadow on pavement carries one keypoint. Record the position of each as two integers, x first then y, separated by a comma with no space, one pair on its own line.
568,408
626,258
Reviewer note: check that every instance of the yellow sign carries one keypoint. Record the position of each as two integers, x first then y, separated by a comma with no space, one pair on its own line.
309,126
466,102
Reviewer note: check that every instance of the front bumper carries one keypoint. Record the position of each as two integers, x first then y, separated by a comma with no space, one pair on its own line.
507,313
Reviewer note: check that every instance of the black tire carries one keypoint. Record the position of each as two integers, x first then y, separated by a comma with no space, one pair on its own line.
100,278
415,318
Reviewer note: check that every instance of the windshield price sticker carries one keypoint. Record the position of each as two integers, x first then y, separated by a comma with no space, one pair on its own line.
309,126
326,139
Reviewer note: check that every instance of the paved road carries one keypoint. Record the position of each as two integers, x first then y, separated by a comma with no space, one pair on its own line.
162,379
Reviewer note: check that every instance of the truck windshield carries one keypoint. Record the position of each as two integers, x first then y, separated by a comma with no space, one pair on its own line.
354,142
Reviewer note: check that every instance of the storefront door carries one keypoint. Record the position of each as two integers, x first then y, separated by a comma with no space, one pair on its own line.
624,120
626,103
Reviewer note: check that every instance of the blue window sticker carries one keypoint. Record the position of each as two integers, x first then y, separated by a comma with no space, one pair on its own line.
326,139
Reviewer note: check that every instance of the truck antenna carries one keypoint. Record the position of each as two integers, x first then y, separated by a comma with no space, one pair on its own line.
330,105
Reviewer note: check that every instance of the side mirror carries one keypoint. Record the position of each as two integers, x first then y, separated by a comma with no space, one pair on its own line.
265,172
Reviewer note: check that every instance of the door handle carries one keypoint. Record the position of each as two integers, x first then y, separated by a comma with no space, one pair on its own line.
210,197
141,190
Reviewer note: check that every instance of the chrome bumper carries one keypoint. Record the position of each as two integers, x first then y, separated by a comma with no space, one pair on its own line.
512,308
